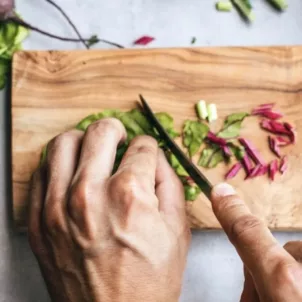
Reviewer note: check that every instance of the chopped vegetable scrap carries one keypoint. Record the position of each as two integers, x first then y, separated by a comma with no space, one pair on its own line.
233,171
232,125
283,164
245,8
280,4
212,113
224,6
273,169
144,40
221,147
194,133
193,40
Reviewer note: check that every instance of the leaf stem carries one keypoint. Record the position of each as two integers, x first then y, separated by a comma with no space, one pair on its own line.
69,21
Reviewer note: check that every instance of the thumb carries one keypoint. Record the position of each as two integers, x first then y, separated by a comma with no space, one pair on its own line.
249,235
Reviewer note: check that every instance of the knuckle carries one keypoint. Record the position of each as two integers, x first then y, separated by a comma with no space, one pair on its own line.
53,220
244,226
145,144
81,201
124,187
285,276
104,126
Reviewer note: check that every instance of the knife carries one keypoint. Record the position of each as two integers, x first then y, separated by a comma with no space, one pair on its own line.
199,178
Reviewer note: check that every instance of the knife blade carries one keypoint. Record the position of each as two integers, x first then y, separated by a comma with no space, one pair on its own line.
199,178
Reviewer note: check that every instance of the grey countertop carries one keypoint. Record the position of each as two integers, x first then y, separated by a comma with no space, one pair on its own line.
214,271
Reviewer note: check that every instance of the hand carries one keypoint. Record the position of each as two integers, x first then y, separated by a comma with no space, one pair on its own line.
103,237
272,273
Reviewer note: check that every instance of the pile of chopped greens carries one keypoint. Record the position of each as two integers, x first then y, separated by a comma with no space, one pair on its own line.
225,146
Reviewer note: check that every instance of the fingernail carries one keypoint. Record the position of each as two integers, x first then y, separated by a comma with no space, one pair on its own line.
224,190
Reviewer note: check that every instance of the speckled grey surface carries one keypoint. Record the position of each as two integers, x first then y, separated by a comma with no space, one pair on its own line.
214,271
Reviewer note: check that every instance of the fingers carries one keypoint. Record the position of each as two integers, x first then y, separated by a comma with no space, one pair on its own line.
254,242
36,201
99,149
170,193
62,157
140,161
295,249
249,293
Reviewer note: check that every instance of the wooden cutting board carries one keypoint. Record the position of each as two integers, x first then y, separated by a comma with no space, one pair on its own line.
53,90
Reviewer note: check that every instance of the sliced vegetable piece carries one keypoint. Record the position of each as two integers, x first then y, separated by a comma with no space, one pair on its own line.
274,147
238,151
282,141
210,157
194,133
267,106
273,169
191,192
280,4
144,40
212,113
193,40
256,171
216,140
247,164
283,164
232,125
233,171
274,127
245,8
202,110
227,151
272,115
224,6
179,169
292,132
252,151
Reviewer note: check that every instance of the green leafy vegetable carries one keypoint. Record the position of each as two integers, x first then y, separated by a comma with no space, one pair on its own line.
232,125
238,151
11,36
194,133
210,157
179,169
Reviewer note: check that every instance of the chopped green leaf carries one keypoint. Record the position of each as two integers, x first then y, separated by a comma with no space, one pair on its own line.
179,169
238,151
193,40
194,132
232,125
210,157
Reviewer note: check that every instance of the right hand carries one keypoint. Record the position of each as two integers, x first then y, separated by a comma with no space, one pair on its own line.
272,273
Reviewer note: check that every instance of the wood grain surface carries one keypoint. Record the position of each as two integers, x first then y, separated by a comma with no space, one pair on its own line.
53,90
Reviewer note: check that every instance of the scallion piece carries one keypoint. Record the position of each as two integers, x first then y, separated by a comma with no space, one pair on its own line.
202,110
280,4
212,113
224,6
245,8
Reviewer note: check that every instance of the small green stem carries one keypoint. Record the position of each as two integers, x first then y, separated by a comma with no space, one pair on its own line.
245,9
224,6
280,4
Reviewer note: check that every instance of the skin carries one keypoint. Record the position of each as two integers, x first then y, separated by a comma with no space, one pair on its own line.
124,237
